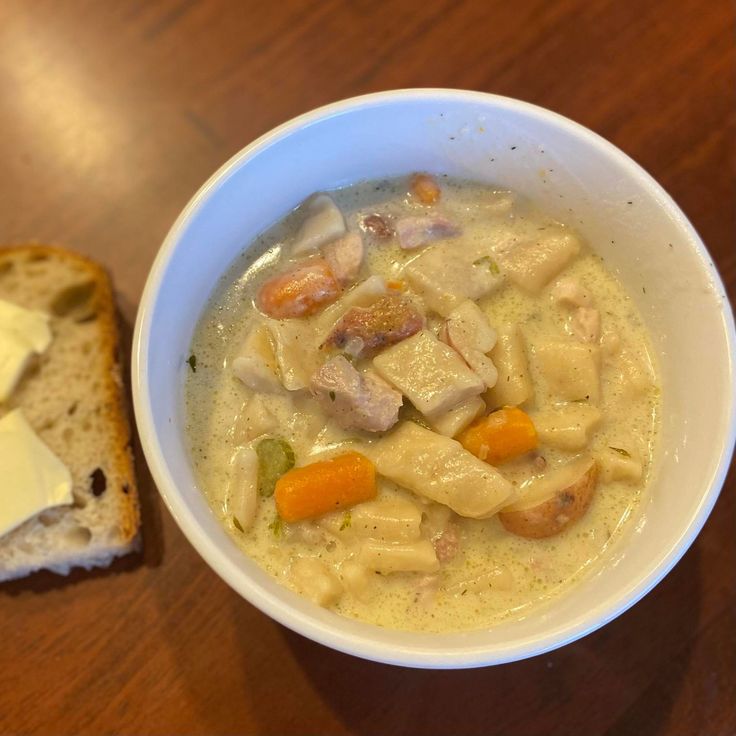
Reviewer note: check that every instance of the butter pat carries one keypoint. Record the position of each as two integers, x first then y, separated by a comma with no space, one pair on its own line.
23,333
33,478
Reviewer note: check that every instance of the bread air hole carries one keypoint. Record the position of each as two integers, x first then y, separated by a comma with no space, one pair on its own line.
48,424
99,482
78,536
75,302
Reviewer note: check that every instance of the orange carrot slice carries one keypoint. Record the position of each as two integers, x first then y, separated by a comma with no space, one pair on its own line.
300,291
501,436
425,188
325,486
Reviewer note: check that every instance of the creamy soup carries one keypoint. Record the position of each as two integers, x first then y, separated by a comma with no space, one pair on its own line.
422,403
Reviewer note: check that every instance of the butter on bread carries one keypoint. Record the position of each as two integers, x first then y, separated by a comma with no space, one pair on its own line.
72,395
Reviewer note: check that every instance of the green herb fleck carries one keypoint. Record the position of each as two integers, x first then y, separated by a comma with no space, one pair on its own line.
276,527
275,457
347,520
192,360
237,524
490,263
332,395
620,451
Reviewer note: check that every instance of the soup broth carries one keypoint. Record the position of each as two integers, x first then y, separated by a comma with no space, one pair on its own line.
465,391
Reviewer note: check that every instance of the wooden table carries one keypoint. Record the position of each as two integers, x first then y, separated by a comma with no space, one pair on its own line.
113,114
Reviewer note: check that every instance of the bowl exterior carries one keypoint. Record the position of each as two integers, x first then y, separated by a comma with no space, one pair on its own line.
577,177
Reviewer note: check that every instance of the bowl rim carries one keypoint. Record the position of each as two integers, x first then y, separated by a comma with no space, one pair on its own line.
365,646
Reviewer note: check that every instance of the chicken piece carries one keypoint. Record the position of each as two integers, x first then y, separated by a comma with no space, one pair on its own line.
468,331
445,275
569,293
425,592
414,232
364,331
585,324
447,543
429,373
355,400
299,291
324,223
345,257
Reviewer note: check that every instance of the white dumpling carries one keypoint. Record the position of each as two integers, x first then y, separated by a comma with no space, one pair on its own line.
442,470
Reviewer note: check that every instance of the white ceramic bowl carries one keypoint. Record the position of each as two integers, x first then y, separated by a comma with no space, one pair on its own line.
576,176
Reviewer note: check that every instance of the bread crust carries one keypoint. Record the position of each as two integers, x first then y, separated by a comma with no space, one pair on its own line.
108,386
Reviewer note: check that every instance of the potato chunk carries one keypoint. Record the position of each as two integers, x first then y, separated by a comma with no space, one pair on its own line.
440,469
570,369
620,463
254,420
316,581
514,384
429,373
296,352
324,222
553,501
567,427
255,364
447,274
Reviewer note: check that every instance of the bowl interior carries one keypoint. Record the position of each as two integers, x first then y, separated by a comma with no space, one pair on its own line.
574,175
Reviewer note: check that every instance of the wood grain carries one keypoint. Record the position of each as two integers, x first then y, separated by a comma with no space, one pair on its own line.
113,114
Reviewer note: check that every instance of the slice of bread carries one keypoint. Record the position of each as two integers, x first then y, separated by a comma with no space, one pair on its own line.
73,398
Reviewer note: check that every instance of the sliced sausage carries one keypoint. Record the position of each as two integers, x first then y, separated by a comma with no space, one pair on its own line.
365,330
